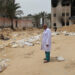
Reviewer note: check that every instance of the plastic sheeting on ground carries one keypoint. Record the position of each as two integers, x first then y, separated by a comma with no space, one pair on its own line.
23,42
3,64
60,58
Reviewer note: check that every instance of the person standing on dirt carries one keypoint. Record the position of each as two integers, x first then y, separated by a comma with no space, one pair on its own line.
55,28
46,43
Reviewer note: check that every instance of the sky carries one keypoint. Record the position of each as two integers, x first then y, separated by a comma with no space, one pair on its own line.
34,6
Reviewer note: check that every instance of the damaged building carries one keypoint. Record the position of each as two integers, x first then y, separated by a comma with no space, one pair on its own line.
62,12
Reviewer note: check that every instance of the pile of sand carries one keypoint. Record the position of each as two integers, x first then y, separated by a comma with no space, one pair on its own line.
6,32
70,28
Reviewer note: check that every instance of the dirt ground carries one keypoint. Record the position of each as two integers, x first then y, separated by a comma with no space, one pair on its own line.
70,28
29,60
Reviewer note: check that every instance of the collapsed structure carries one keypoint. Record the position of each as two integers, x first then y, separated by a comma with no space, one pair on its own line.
62,13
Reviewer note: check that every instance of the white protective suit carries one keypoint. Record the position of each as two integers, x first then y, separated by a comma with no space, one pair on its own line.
46,40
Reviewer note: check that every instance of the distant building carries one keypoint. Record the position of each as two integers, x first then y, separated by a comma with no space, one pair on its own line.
17,23
30,18
62,12
38,21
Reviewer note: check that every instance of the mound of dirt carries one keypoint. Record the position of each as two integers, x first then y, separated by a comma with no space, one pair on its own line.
6,32
70,28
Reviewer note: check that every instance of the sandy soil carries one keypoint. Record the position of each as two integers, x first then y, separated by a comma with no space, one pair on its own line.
70,28
29,60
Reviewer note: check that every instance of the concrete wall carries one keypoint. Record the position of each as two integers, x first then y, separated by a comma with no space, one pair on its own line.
20,24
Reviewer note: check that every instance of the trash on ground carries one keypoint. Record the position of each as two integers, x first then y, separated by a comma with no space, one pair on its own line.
37,42
14,46
2,46
55,33
3,64
15,35
72,34
29,44
4,60
29,41
64,32
60,59
21,43
34,38
68,33
3,37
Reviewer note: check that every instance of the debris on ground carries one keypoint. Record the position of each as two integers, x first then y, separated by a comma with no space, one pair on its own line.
3,64
4,60
2,46
14,46
34,38
2,37
55,33
28,44
70,28
5,34
71,34
68,33
60,58
15,35
21,43
38,42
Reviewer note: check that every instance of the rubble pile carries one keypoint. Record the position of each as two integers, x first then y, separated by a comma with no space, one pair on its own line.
5,33
3,64
70,28
21,43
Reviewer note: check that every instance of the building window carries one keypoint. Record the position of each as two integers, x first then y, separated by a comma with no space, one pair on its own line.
55,3
67,14
73,8
63,14
67,23
54,15
63,23
66,2
54,24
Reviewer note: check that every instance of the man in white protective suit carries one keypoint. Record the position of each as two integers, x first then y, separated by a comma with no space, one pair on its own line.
46,43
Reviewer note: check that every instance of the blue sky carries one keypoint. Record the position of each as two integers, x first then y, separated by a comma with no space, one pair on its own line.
34,6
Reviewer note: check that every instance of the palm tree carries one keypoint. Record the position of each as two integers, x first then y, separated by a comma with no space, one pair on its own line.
1,2
42,15
11,11
19,13
37,17
2,8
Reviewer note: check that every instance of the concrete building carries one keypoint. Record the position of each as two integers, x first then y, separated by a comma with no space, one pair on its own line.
17,23
39,21
62,13
30,18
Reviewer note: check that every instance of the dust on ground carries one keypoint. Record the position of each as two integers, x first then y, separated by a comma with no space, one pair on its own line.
29,59
70,28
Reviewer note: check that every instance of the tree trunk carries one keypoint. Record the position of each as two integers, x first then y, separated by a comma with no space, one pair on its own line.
12,24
